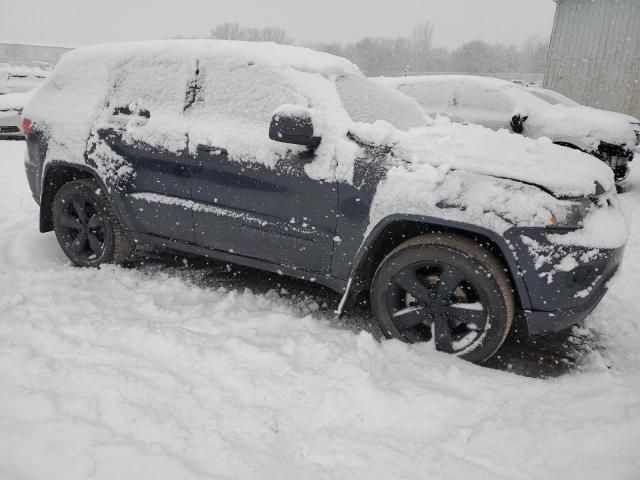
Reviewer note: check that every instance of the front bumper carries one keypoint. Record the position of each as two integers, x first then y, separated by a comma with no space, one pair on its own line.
564,283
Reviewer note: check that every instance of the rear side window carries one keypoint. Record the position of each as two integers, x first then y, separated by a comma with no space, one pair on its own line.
148,99
154,84
234,108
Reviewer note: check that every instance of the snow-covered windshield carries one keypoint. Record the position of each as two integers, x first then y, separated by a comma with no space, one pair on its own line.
553,98
366,101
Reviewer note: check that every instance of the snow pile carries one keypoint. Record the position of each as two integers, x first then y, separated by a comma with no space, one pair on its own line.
128,373
492,102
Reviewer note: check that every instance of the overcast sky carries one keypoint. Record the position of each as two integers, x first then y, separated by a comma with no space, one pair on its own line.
79,22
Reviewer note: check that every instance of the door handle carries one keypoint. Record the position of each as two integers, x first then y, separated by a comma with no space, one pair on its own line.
211,149
108,132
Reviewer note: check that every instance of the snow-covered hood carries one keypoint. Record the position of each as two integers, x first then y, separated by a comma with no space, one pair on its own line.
561,171
584,127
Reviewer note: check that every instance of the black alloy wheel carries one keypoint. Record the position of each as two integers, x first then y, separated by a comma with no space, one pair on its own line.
445,289
86,229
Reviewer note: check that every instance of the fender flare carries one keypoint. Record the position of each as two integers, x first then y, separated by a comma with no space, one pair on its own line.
91,172
434,224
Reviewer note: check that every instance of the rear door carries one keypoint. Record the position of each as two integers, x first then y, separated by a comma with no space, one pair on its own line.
253,196
141,143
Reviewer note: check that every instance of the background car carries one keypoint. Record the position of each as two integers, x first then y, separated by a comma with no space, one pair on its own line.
501,104
11,105
21,78
555,98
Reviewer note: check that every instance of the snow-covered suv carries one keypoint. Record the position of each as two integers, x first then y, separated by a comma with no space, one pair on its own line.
500,104
289,160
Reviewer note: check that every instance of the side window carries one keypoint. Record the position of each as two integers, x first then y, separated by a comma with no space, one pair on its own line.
434,97
483,99
148,99
235,107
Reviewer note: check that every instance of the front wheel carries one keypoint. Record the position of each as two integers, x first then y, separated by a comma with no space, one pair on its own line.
86,228
446,289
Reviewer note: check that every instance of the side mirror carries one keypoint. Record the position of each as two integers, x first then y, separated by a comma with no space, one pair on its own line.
293,124
517,123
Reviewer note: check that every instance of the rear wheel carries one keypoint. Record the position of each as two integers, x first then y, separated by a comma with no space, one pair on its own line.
86,229
445,289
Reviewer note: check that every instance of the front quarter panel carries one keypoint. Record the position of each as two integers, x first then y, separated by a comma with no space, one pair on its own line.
356,233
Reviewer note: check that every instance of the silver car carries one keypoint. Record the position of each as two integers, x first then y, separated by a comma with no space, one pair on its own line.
501,104
11,115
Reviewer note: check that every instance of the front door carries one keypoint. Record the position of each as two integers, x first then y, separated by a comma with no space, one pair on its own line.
252,196
277,213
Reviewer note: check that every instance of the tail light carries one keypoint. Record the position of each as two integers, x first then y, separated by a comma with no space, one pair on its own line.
26,126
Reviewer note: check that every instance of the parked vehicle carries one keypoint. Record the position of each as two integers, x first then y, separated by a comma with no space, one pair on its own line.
501,104
289,160
21,78
11,105
555,98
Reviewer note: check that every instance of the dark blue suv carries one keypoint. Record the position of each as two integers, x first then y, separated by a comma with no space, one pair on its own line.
289,160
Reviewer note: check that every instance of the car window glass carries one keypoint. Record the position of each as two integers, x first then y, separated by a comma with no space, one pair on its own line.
234,109
480,99
367,101
148,98
153,84
434,97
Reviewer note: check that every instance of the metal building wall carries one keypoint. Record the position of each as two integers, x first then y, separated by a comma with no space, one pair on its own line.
594,56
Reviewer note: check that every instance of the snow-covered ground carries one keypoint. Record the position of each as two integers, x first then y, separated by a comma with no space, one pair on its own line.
166,372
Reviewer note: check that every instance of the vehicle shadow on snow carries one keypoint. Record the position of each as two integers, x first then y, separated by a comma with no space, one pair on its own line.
539,357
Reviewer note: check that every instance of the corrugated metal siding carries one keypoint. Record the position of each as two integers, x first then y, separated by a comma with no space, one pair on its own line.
594,55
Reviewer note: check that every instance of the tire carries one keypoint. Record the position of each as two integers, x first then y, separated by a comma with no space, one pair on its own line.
86,228
447,289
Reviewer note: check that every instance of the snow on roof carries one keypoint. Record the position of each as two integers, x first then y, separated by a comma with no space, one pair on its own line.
261,53
75,95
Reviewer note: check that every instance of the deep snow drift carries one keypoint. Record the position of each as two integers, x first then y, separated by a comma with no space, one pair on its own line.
136,373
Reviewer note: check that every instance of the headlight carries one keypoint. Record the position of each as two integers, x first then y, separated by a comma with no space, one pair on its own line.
569,215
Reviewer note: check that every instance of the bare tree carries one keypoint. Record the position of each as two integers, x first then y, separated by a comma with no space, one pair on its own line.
413,53
275,34
421,36
234,31
227,31
420,46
